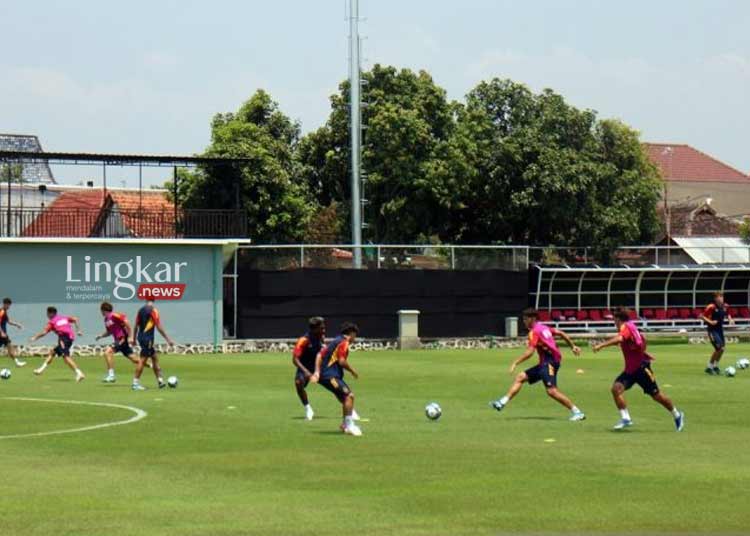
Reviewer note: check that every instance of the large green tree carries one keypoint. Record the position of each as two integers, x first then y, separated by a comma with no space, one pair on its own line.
410,156
267,188
549,173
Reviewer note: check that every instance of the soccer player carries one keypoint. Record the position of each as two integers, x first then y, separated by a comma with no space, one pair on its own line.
714,316
330,364
541,340
117,325
5,321
147,321
637,371
63,328
303,357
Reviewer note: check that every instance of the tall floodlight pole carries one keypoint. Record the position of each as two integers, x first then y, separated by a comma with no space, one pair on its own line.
355,128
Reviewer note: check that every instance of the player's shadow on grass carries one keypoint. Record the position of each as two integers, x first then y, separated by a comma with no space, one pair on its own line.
329,432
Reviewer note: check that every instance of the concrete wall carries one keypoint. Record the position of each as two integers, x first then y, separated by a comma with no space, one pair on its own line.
77,276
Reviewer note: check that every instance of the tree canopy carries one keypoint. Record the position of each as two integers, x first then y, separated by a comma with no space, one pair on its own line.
506,166
278,205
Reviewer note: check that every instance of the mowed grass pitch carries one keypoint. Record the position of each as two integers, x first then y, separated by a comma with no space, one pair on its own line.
196,467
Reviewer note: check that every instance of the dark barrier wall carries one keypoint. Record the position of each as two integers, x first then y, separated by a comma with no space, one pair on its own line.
276,304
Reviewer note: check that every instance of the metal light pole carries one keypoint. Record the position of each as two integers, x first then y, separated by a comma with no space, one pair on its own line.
355,129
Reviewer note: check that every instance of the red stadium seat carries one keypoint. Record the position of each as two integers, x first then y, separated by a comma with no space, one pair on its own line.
744,312
595,315
733,311
633,315
672,314
607,314
582,315
648,313
544,316
660,314
684,314
697,312
556,315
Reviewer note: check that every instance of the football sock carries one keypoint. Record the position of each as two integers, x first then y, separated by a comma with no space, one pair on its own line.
675,413
348,421
625,414
710,364
575,409
44,366
355,416
504,400
111,372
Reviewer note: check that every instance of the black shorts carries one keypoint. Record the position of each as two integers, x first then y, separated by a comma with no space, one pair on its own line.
147,347
644,377
300,377
123,347
63,346
546,372
717,339
4,341
337,386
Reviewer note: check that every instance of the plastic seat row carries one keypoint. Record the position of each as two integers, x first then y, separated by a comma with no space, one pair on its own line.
598,315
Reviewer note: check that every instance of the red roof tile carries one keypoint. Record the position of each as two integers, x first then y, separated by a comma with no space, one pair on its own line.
71,214
76,214
150,215
680,162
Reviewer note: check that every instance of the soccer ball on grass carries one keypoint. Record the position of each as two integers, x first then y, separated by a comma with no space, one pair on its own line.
433,411
730,372
173,382
5,374
743,363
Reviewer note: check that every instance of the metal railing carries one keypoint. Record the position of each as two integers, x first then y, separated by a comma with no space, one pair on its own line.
119,223
672,255
381,256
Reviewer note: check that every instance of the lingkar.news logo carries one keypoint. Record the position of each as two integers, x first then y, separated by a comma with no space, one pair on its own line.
131,278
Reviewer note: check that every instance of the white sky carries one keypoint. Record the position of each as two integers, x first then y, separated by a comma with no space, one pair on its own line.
146,77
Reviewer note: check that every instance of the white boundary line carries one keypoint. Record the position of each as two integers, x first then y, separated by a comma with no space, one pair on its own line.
139,414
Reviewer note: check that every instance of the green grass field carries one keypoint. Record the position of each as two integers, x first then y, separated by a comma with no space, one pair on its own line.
194,466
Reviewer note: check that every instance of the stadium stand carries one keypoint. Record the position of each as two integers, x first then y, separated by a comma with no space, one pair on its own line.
661,298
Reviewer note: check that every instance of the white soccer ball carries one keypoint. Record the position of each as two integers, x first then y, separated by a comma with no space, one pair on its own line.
743,363
730,372
173,382
433,411
5,374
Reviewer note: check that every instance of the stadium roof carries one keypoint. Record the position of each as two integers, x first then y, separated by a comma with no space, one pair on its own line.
113,159
683,163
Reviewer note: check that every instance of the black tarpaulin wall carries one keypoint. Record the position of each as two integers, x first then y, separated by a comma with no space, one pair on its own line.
276,304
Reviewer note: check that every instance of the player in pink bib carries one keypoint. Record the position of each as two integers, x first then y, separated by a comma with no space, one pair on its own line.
116,325
62,326
637,370
542,341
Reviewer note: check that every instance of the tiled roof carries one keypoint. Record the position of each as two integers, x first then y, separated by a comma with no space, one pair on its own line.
38,172
680,162
77,214
699,220
145,214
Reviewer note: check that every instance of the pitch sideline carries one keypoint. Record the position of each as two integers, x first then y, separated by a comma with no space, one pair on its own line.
139,414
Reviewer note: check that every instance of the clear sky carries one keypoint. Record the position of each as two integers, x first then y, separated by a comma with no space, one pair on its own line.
146,76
